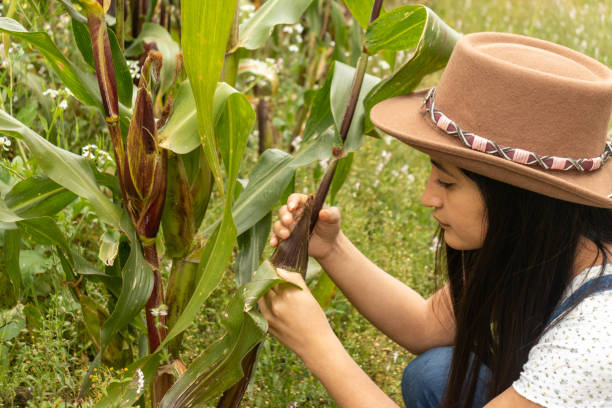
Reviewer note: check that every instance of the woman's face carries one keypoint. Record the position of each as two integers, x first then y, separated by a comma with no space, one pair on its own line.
457,205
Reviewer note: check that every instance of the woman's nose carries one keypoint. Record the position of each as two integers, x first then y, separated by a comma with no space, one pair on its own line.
430,197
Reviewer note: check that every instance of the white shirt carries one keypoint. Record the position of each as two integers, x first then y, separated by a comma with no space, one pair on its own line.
571,365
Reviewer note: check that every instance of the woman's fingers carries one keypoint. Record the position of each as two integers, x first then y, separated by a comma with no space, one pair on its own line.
330,215
296,200
286,216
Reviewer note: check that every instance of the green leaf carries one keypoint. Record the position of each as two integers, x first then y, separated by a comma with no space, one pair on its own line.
269,178
180,133
44,230
232,131
220,365
251,244
83,41
81,85
63,167
11,248
399,29
118,394
109,247
12,322
320,118
205,30
7,215
38,196
125,86
324,289
342,171
339,94
361,11
255,31
434,47
168,48
213,261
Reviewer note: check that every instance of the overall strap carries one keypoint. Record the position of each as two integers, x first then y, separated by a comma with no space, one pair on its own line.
600,284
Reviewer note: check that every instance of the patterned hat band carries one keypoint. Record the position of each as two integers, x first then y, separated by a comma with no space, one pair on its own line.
514,154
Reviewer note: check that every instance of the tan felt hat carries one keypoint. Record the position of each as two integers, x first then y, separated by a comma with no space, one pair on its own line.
520,110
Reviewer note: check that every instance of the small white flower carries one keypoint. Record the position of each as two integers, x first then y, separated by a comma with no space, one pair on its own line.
411,178
140,381
384,64
404,169
386,155
51,92
5,143
332,44
288,29
296,142
298,27
395,173
293,48
63,104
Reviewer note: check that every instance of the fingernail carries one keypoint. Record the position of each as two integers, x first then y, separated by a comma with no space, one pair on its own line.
291,205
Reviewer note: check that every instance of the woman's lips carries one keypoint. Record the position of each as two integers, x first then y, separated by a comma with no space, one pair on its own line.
443,225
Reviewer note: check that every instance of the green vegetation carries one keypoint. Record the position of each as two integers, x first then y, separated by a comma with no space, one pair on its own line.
46,348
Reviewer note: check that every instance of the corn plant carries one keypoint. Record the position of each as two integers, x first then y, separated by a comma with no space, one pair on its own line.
178,135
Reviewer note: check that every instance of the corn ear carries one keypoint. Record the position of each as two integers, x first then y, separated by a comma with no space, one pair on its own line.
292,253
201,189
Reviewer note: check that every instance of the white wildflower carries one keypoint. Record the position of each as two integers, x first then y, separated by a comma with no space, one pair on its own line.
357,184
288,29
140,381
394,173
298,27
293,48
332,44
384,64
161,310
386,155
51,92
63,104
404,169
247,8
5,143
134,67
410,178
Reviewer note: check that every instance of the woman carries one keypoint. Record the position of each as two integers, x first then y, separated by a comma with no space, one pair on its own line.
522,188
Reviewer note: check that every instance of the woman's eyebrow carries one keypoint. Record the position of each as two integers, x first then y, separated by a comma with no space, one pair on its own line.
441,168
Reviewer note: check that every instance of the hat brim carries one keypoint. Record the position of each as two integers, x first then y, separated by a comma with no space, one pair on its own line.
405,118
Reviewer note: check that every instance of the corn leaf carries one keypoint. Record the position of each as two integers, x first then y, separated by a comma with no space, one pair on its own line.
205,30
339,94
320,118
399,29
342,172
251,244
38,196
233,128
168,48
65,168
7,215
433,48
220,365
180,133
255,31
270,177
361,11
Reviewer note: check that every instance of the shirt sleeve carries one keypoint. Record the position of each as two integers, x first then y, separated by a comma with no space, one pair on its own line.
571,365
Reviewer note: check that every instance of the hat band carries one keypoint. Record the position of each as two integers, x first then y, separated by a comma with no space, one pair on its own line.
521,156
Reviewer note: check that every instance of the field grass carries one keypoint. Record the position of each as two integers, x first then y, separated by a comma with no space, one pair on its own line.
381,215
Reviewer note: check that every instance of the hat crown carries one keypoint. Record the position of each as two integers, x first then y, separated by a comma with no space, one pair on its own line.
527,93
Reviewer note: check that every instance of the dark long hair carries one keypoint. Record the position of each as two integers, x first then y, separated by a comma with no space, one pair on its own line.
504,293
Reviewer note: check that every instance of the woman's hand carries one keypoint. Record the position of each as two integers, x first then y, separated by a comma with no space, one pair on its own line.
325,234
295,317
